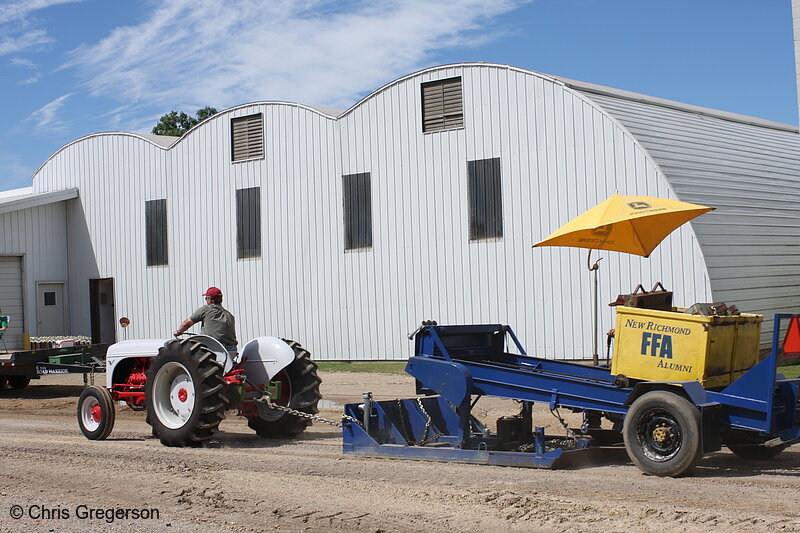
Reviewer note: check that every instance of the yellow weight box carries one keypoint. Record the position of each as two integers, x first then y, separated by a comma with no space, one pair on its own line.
673,346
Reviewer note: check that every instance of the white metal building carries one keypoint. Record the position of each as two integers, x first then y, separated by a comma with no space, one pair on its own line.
422,201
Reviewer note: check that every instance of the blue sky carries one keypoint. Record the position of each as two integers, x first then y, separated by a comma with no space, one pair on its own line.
73,67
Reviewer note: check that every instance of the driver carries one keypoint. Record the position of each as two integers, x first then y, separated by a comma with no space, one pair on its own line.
217,322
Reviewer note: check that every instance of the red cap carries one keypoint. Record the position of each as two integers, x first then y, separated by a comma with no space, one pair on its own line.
213,292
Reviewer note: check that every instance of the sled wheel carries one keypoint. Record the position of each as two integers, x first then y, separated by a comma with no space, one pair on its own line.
185,393
622,381
96,413
18,382
302,382
662,434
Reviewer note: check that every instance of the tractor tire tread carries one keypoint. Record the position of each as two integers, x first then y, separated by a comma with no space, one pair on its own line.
303,376
204,422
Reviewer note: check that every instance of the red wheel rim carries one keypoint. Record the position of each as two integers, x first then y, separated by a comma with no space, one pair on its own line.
97,413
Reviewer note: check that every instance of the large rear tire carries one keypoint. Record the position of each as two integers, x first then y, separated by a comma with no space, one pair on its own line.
662,434
303,382
185,393
96,413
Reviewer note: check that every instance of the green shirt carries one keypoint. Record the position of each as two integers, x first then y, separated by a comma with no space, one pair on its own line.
3,321
218,323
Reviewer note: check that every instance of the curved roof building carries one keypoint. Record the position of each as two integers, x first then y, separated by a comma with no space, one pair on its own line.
422,201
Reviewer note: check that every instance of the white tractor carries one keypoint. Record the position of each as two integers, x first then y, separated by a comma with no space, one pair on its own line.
186,385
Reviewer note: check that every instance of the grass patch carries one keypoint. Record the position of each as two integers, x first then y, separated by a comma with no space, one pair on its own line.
382,367
791,371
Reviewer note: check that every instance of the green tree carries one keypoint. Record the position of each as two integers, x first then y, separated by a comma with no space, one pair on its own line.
176,124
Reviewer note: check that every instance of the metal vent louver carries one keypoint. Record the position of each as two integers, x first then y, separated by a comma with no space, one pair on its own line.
247,137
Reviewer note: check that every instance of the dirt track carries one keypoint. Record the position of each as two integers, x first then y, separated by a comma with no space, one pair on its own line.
243,483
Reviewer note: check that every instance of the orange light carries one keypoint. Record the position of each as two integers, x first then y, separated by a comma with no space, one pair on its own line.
791,343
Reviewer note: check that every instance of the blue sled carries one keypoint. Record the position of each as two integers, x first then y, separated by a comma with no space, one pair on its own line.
671,426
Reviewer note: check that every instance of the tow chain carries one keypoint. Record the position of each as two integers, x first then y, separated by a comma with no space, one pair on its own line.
265,399
570,434
425,438
269,404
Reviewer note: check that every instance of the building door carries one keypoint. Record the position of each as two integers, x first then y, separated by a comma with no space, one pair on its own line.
101,296
51,319
11,301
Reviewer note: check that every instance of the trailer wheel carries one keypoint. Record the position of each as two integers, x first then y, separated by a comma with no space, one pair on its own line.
184,393
96,413
18,382
662,434
302,382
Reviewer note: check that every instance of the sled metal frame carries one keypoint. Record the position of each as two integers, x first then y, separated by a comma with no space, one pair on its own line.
457,363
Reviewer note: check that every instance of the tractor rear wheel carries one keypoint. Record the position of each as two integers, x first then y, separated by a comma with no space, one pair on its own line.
96,413
18,382
662,434
185,393
302,381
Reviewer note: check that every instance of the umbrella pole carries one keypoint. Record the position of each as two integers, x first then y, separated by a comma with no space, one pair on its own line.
594,268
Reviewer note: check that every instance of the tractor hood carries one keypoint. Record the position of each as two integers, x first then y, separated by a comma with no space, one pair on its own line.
135,348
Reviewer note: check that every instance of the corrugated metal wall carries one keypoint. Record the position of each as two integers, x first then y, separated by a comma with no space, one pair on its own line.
752,176
38,237
560,154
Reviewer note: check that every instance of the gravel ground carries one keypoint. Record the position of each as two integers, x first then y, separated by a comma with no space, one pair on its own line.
240,482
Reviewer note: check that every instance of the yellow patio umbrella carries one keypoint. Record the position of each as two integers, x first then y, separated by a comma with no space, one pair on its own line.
629,224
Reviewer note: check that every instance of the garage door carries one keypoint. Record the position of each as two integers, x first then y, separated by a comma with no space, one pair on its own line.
11,300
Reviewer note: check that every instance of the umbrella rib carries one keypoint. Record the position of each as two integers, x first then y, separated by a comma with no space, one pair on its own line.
638,238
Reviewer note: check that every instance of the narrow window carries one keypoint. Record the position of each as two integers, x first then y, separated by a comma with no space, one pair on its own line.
485,199
442,105
155,216
247,137
248,222
357,211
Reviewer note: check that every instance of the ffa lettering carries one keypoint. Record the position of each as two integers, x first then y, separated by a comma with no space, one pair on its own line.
657,345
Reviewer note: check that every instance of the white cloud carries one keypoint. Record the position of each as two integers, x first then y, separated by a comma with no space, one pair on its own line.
192,53
22,62
18,26
45,116
14,11
31,80
13,44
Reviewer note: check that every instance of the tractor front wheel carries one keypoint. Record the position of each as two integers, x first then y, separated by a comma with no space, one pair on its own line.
96,413
299,391
185,393
662,434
